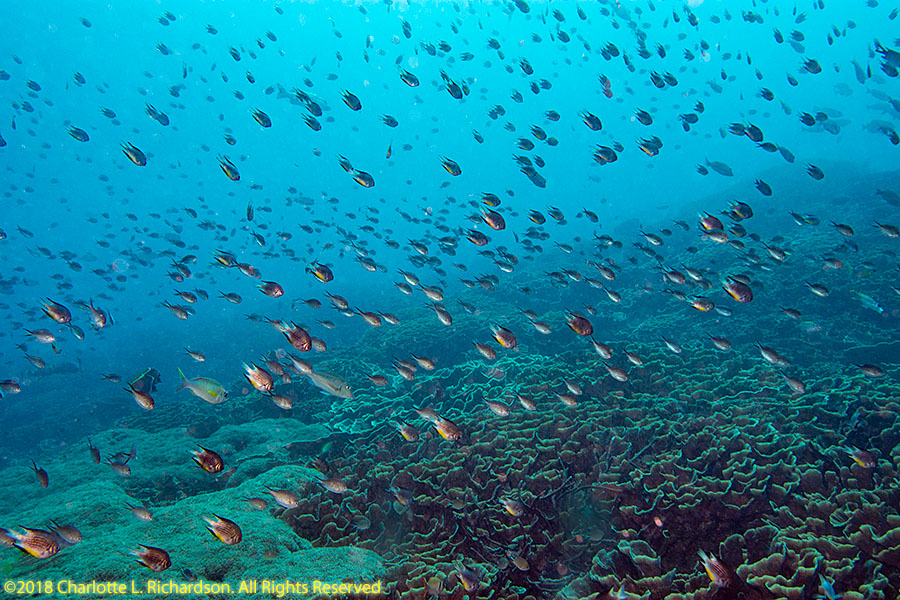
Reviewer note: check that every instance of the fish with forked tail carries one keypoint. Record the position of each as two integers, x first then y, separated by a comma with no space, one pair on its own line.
330,384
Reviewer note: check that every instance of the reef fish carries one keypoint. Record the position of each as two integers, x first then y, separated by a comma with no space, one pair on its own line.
36,542
330,384
208,390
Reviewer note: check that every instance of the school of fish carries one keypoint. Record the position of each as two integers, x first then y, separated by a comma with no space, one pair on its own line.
340,188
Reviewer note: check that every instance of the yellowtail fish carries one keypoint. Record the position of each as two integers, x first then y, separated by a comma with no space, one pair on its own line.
208,390
718,573
227,532
861,457
409,433
513,507
448,429
36,542
331,384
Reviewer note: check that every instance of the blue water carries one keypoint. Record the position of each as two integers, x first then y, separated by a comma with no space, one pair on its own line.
70,196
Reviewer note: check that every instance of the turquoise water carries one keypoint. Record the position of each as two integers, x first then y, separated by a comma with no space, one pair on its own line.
530,299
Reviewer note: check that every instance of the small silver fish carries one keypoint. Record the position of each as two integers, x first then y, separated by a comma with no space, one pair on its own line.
869,302
330,384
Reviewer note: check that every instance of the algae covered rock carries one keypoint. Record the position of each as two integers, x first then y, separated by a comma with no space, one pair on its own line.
96,500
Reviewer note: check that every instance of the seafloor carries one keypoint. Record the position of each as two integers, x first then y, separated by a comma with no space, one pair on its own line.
696,451
700,450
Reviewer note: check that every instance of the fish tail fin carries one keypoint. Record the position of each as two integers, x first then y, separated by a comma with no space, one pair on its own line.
184,380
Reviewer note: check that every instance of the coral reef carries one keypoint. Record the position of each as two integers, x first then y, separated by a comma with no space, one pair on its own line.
179,495
610,493
624,488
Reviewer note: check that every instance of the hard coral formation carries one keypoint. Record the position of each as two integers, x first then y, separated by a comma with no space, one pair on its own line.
612,495
179,495
624,488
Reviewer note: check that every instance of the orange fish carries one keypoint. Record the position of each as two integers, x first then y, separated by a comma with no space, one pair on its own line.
143,399
447,430
225,531
208,460
155,559
36,542
493,219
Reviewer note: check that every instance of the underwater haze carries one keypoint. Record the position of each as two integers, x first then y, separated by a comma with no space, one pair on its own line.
458,300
